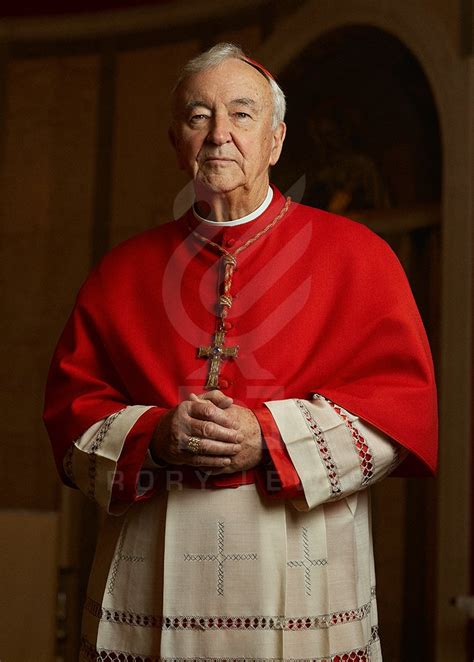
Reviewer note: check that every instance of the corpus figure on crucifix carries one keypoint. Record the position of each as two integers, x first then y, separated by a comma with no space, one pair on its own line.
228,388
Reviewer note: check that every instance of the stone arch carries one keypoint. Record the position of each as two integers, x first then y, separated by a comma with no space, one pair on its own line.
426,38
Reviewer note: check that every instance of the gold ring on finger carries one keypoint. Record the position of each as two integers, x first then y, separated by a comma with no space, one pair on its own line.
194,445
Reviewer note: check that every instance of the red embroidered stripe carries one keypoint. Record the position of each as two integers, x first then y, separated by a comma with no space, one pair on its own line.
366,458
324,452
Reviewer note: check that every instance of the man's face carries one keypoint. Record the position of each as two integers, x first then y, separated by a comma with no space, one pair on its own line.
222,129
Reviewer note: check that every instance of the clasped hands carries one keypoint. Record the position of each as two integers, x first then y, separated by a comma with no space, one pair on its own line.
229,435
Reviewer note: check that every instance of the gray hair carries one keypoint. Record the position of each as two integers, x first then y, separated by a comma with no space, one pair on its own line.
225,51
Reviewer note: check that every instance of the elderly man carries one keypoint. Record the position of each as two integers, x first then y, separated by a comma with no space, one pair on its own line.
228,387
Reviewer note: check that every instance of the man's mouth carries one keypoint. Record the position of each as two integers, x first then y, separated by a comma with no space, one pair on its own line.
221,159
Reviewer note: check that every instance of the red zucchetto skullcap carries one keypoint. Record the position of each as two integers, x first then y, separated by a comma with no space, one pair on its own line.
258,67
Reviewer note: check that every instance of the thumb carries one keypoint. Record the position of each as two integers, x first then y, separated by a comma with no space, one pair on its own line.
216,397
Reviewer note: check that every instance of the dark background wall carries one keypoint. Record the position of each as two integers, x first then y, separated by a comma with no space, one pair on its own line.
85,163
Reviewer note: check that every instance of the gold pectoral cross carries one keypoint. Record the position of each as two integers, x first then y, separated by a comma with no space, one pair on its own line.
217,353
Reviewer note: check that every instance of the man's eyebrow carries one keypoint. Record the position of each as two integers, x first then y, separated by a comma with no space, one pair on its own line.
245,101
242,101
197,103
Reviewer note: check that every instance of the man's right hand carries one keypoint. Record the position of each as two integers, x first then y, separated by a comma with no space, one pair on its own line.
202,417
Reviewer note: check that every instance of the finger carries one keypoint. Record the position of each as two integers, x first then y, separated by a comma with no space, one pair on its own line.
215,396
227,469
213,471
215,432
207,411
209,447
217,448
208,461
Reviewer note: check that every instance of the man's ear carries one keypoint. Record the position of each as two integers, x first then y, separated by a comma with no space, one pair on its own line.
278,138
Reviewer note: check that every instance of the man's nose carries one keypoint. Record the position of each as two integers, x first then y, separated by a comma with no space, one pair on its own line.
219,130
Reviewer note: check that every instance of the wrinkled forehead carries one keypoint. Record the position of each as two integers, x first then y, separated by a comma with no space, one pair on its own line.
230,80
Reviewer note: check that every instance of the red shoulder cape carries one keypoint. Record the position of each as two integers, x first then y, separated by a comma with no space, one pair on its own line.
353,333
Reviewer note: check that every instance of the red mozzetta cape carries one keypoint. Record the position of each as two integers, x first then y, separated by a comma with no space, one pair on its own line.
321,305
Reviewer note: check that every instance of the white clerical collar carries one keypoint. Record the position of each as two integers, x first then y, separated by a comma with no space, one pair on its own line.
239,221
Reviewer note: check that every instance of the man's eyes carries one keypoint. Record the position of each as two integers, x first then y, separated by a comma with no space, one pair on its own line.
200,117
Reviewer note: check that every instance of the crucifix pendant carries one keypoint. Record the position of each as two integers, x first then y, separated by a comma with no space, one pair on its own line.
217,353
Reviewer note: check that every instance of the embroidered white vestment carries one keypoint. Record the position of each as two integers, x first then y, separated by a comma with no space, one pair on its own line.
229,574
